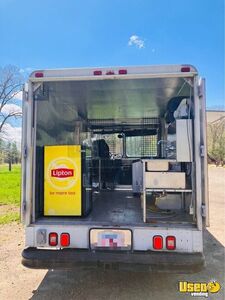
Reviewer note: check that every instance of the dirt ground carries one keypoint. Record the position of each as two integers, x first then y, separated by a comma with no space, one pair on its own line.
17,282
5,209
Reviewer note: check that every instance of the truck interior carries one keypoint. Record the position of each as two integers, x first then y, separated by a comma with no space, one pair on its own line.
136,137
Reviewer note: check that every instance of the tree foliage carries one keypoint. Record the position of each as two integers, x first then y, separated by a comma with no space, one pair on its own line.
216,140
9,153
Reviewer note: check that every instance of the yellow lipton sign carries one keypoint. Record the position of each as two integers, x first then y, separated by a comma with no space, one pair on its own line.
62,181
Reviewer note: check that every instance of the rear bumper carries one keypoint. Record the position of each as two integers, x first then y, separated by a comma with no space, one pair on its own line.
134,261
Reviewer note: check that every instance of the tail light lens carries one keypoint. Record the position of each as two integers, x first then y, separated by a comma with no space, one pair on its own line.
65,239
170,243
97,72
157,242
185,69
122,72
39,74
53,239
110,73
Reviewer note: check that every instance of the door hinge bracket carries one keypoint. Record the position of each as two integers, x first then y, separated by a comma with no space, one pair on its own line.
203,210
24,206
25,95
25,152
202,150
200,91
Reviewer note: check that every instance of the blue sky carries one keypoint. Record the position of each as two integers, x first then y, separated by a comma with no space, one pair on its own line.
74,33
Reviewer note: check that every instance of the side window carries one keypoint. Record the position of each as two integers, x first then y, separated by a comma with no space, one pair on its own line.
141,146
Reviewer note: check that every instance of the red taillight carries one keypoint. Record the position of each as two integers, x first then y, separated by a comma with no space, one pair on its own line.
122,72
39,74
157,242
185,69
110,73
65,239
171,242
53,239
98,72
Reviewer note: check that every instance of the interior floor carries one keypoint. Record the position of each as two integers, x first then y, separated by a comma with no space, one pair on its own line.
121,208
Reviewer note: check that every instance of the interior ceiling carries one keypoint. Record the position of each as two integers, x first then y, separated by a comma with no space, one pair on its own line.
113,99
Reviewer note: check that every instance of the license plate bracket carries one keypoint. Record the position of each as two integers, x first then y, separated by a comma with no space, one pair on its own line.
110,239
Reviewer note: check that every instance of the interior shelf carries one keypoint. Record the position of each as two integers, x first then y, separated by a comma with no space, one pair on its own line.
169,190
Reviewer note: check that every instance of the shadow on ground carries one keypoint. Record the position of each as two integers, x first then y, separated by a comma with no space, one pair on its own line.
99,284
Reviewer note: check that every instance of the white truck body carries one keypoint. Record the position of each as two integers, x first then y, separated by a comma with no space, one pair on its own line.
184,200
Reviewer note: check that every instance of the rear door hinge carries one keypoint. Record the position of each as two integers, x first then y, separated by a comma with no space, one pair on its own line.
201,88
202,150
24,206
25,95
200,91
203,210
25,152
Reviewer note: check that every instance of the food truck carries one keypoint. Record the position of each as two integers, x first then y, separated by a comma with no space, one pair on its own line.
114,168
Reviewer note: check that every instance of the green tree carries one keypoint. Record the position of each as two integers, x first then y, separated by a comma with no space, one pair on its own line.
15,153
9,155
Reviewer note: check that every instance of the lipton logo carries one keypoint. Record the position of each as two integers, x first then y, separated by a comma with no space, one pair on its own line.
62,172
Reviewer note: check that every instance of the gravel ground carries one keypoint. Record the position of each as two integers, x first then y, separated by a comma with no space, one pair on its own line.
18,282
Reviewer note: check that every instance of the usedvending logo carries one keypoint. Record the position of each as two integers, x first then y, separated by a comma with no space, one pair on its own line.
62,173
199,289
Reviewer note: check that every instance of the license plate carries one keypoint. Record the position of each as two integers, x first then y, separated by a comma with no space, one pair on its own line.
110,239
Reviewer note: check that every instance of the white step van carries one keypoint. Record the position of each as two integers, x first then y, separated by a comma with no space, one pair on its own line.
114,170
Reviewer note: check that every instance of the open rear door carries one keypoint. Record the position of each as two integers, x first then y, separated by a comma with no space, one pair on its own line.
204,162
23,156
